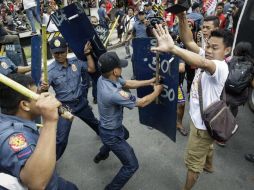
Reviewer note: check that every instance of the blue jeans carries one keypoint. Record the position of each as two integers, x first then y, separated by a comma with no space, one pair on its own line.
80,109
114,140
30,13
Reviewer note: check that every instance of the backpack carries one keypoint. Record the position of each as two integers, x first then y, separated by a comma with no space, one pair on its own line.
240,75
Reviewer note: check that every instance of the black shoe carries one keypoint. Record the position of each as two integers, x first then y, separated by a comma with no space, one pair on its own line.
95,100
249,157
100,157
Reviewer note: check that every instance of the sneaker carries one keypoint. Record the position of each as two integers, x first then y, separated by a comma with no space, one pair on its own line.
100,157
33,33
221,143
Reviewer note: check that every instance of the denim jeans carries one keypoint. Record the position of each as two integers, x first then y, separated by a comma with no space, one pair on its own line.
114,140
66,185
30,13
82,110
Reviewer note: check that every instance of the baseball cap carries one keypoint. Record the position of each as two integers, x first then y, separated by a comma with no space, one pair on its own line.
195,5
148,4
58,44
141,12
110,60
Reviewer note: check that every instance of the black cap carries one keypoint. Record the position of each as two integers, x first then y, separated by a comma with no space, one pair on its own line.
195,5
58,44
141,12
109,61
148,4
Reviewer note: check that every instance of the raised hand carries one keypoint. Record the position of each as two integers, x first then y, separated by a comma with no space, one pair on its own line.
87,48
165,41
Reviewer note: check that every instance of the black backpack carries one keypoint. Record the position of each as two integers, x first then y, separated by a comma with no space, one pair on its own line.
240,75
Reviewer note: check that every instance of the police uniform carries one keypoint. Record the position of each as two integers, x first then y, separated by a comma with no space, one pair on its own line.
18,139
7,66
111,101
70,91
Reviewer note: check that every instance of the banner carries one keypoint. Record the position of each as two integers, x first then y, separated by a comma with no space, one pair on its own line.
245,30
76,29
209,7
160,116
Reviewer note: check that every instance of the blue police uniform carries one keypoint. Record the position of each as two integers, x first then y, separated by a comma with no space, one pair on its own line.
18,139
70,91
7,66
139,30
111,101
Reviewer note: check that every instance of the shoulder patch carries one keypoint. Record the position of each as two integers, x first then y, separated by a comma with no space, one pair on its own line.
4,65
124,94
25,153
74,67
17,142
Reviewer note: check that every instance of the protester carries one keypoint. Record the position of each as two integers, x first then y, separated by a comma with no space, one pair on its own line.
148,10
7,36
213,80
220,15
111,101
103,17
30,6
26,153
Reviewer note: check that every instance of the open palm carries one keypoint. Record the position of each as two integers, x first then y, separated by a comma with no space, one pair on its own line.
165,41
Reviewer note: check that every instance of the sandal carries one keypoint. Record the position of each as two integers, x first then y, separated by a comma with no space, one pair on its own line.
249,157
183,131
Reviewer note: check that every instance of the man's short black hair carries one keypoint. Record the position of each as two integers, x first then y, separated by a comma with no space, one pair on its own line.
221,4
9,98
228,37
215,19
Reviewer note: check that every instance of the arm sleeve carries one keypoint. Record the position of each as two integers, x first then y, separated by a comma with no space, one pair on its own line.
17,148
221,72
124,99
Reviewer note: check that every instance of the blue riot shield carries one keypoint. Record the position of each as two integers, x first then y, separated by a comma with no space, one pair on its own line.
160,116
36,59
76,29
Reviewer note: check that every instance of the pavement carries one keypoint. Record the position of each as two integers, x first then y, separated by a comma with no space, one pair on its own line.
161,161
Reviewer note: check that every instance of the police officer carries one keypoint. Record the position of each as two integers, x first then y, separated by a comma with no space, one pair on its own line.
25,153
65,76
7,67
111,101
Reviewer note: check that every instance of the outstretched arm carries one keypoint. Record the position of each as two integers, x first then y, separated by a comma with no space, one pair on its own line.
166,44
133,84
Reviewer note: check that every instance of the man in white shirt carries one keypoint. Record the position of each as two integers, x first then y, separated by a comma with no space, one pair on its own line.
213,80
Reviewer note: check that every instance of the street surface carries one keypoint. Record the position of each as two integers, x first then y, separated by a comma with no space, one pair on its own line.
161,160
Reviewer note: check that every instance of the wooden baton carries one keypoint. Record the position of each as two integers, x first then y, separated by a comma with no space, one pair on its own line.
44,53
32,95
111,31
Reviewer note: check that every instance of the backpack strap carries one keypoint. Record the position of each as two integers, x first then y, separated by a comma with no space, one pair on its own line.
200,97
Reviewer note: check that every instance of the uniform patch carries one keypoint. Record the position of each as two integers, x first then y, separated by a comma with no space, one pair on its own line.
124,94
17,142
57,43
74,68
25,153
4,65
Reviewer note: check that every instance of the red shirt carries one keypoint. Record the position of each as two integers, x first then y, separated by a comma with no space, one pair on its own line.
108,7
222,21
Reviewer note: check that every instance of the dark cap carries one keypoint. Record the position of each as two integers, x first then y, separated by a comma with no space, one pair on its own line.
109,61
148,4
58,44
141,12
195,5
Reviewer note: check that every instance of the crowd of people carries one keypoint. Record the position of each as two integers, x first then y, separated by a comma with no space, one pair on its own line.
202,41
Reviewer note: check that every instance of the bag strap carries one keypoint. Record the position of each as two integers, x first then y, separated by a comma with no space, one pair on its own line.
200,97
